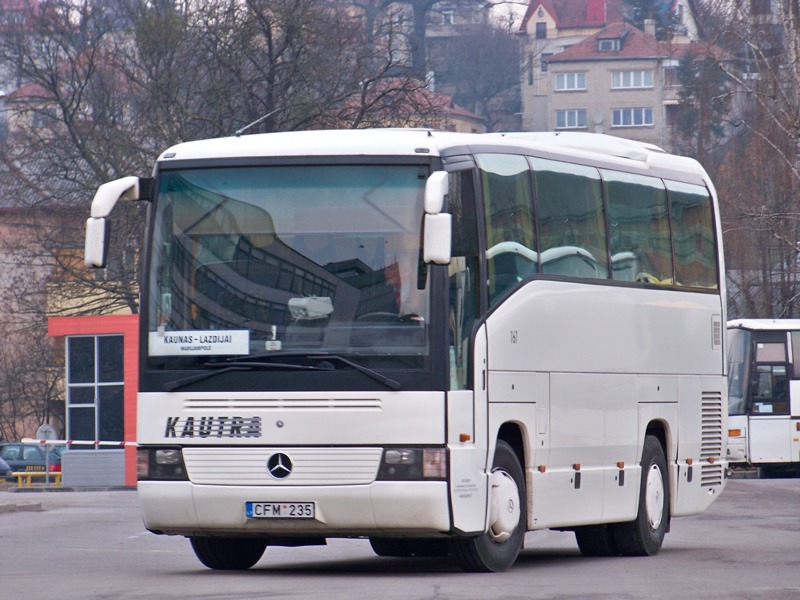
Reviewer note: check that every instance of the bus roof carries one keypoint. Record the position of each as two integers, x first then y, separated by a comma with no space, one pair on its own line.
593,148
765,324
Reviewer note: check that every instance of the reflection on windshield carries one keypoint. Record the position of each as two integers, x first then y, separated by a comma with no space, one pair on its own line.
738,361
289,258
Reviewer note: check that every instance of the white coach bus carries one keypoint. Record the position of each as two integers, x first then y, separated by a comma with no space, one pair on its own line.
435,341
764,394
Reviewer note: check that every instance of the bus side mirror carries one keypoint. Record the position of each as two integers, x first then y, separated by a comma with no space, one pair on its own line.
438,231
438,225
98,225
436,189
95,250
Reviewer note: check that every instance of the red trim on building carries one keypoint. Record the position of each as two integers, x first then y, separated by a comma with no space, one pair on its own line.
128,327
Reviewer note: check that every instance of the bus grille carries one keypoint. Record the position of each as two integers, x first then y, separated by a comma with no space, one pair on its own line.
309,466
712,439
292,402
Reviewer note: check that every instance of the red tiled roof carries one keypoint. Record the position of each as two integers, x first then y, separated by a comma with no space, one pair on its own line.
576,13
30,91
635,44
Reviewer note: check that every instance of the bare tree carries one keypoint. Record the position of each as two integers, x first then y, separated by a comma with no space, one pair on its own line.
483,69
759,180
101,88
102,93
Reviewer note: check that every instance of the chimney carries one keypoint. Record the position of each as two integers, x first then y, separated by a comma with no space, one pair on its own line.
595,12
650,27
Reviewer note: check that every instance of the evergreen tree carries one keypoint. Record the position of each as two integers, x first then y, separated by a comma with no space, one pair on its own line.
660,11
702,106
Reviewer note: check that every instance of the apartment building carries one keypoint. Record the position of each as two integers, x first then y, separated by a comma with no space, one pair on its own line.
587,68
548,28
620,81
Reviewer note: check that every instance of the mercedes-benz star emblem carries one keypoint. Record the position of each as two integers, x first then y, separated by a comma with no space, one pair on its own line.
279,466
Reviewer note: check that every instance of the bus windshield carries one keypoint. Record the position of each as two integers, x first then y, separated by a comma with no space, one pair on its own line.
738,367
275,260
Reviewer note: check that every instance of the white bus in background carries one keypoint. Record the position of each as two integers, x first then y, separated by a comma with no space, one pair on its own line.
764,394
435,341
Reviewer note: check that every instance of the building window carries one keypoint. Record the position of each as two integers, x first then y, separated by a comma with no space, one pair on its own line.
448,16
95,388
545,64
571,119
608,45
631,117
570,81
631,79
670,75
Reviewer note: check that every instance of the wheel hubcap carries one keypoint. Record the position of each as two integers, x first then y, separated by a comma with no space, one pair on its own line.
654,497
504,513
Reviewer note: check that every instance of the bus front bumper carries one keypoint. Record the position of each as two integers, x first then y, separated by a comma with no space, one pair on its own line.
384,508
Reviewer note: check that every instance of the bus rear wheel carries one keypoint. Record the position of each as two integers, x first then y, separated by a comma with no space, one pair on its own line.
228,554
644,535
596,540
498,548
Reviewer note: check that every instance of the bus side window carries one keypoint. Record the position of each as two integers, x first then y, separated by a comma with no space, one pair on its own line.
693,235
510,235
639,227
572,222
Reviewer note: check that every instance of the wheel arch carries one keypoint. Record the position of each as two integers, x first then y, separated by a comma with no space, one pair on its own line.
660,429
512,433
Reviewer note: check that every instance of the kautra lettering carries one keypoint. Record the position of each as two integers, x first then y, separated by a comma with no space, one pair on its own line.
205,427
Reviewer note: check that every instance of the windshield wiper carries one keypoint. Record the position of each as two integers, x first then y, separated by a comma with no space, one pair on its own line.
321,357
387,381
171,386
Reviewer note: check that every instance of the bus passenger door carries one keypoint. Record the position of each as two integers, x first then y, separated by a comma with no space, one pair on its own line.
468,443
770,431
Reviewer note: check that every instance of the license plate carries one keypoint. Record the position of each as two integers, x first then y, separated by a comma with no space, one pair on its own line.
279,510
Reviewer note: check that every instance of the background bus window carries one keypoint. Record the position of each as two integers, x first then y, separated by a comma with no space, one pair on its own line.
569,204
641,249
693,235
508,203
769,383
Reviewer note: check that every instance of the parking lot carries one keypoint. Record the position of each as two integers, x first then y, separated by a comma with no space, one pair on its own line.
93,545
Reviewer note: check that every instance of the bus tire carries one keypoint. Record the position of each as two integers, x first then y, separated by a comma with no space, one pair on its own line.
644,535
596,540
228,554
498,548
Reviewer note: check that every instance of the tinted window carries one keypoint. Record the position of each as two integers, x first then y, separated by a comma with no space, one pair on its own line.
511,244
693,235
572,225
639,228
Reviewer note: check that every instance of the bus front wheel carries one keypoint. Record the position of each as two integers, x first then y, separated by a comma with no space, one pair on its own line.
498,548
228,554
644,535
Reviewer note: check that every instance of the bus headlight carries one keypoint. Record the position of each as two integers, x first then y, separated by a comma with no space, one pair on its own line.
162,464
408,464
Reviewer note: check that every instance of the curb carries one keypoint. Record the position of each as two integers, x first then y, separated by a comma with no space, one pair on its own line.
26,507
